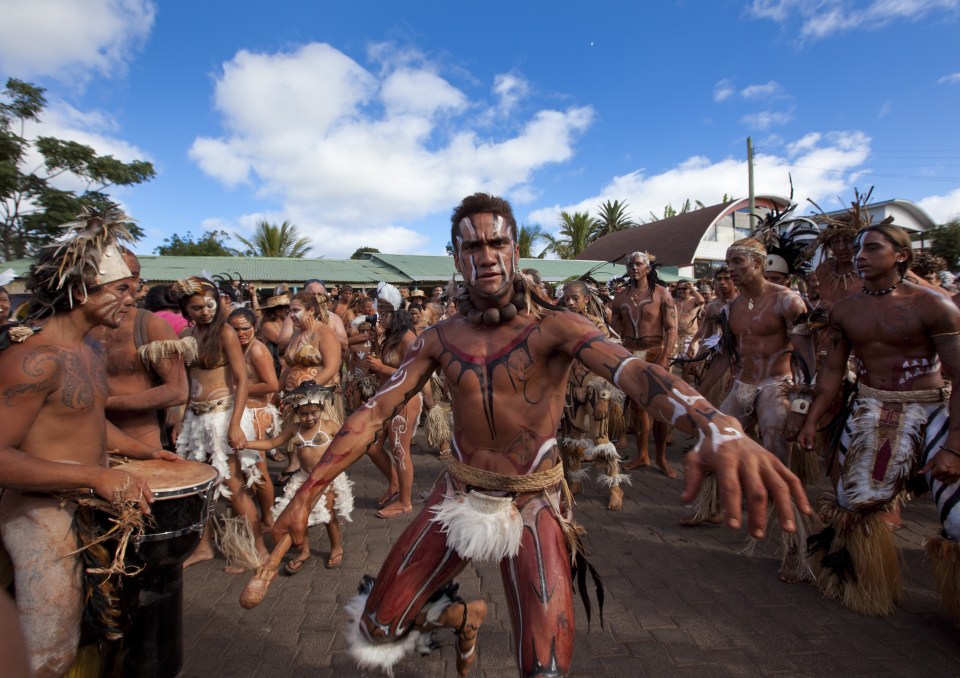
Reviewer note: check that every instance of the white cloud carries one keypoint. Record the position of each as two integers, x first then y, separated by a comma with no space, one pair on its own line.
351,154
821,165
827,17
764,120
952,79
72,40
942,208
764,91
723,90
886,109
510,89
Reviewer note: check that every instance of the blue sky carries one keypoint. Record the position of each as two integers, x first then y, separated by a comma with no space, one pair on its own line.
365,122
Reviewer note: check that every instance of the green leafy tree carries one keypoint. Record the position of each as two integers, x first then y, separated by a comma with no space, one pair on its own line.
363,250
946,242
612,216
272,240
527,236
577,230
210,244
32,207
670,211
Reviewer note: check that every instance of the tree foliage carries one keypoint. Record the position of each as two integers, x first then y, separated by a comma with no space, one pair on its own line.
210,244
577,230
363,250
272,240
33,202
946,242
612,216
527,236
670,211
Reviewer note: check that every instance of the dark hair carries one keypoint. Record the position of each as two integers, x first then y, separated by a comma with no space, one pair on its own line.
209,340
720,271
477,204
307,300
400,324
161,298
894,235
245,313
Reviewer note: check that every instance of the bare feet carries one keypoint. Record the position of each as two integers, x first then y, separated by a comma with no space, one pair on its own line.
639,462
336,558
393,510
615,502
693,521
665,467
199,554
474,613
234,569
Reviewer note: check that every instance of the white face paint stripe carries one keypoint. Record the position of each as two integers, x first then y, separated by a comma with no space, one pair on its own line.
467,227
473,269
497,229
503,266
616,375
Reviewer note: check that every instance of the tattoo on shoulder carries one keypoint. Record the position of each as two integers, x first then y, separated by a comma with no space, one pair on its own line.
48,366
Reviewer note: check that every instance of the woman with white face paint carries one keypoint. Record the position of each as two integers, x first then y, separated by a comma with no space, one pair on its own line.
212,430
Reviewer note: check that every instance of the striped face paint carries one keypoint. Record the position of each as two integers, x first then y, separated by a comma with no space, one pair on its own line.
467,228
497,229
473,269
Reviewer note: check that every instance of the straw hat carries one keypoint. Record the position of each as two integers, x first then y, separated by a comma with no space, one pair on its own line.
418,294
279,300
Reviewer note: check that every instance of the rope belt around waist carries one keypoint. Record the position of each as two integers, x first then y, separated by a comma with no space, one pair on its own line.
488,480
931,395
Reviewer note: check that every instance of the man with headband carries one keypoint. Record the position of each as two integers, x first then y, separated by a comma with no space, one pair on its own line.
506,357
645,317
54,436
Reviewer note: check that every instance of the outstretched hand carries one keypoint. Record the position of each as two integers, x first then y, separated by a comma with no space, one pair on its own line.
745,471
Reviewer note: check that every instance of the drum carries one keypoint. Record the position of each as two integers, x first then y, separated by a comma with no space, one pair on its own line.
152,601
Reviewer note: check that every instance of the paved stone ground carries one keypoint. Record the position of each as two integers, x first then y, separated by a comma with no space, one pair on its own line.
680,602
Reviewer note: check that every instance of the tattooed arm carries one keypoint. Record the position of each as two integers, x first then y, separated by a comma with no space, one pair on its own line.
829,379
30,375
358,433
745,471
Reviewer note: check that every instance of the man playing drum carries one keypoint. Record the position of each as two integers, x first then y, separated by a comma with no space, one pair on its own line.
54,434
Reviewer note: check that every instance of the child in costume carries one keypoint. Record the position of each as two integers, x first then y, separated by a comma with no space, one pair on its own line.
311,431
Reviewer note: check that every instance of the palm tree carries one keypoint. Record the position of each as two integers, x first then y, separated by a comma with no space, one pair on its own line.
576,232
670,211
612,217
526,237
271,240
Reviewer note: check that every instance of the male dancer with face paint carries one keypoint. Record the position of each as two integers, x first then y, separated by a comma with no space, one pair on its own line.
506,360
904,422
761,322
645,317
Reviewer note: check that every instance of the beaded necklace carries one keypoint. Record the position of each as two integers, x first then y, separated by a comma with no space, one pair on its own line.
880,293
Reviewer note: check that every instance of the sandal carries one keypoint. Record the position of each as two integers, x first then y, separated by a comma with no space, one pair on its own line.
335,561
393,511
387,499
295,565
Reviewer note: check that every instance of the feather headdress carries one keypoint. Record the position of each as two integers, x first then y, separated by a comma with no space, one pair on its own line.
847,223
309,393
787,240
390,294
86,255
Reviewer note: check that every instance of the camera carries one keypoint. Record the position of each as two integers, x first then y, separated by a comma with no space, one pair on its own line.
372,319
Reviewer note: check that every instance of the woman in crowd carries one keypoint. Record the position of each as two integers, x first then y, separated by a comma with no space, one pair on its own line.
212,430
264,418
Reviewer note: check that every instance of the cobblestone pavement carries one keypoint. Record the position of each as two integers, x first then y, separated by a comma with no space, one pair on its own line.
680,602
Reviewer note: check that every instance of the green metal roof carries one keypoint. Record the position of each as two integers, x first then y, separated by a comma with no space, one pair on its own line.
399,269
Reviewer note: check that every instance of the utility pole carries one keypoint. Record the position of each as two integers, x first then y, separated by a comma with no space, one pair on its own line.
753,205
